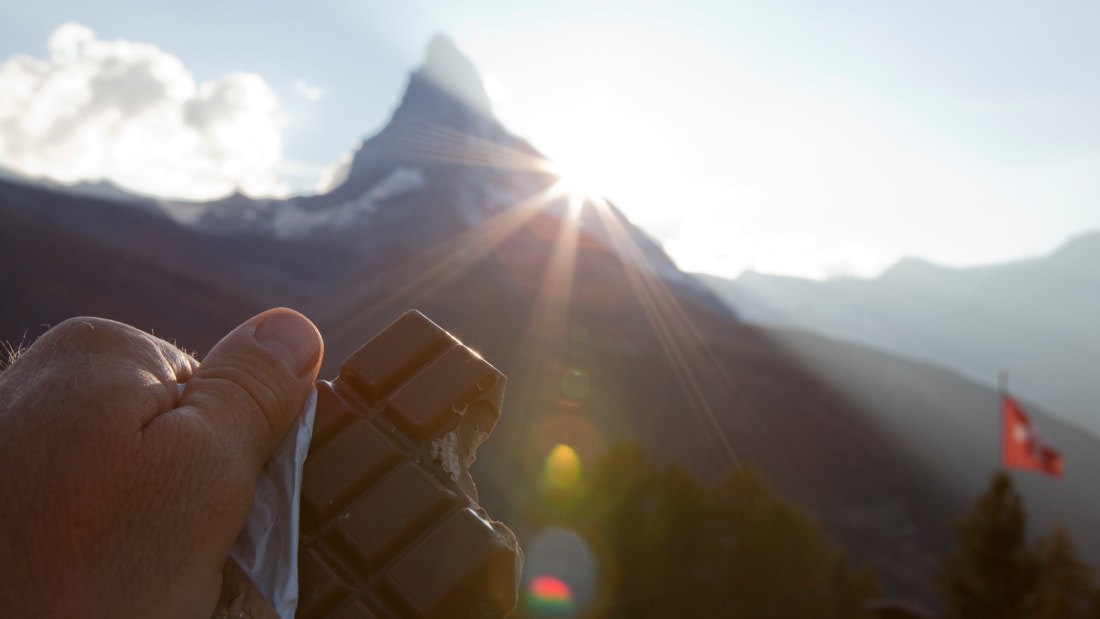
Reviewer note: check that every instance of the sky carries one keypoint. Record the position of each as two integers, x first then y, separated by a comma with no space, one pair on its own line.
796,137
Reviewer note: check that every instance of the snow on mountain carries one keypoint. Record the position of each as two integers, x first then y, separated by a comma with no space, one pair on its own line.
289,220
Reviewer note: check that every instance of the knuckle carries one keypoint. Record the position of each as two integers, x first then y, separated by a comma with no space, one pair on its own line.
86,360
90,335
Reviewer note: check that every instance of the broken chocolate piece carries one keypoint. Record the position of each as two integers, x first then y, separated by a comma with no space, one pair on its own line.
390,523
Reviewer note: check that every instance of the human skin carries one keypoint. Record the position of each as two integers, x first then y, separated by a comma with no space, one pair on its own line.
120,496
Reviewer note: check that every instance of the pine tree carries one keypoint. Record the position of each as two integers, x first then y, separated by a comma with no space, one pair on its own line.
675,547
652,520
774,561
1064,585
992,571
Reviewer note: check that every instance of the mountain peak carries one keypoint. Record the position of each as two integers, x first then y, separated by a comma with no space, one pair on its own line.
445,97
449,70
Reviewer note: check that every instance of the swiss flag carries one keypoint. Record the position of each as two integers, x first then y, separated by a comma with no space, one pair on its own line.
1021,446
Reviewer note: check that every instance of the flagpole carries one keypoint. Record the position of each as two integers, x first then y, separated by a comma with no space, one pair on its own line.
1002,390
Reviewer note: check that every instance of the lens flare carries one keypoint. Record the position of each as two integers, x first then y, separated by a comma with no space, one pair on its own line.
557,424
548,596
564,574
562,471
574,384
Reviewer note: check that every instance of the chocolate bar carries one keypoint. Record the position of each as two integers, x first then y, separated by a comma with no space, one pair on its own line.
390,523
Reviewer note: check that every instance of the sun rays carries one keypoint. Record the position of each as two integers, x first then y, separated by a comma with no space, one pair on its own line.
564,207
421,140
549,318
683,346
571,256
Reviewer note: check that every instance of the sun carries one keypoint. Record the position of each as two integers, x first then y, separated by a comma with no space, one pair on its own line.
579,182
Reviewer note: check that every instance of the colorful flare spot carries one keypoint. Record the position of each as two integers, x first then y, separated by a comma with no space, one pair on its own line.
563,572
563,468
551,589
547,595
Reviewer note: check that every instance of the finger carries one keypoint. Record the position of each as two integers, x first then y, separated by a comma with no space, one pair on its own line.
251,386
240,599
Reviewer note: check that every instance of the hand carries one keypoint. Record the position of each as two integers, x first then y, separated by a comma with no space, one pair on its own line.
120,497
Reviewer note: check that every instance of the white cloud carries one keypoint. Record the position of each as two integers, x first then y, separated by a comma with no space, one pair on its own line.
334,175
307,90
134,114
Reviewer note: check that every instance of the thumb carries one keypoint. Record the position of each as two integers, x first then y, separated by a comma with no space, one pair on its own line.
252,385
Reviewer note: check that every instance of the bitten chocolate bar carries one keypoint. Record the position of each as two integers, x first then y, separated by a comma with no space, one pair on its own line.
390,523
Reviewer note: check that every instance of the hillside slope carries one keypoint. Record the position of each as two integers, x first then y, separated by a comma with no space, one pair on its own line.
1034,318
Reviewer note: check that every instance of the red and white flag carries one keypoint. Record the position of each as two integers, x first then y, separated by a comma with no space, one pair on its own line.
1021,447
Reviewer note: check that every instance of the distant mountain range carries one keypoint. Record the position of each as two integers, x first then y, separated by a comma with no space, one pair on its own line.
1038,319
446,211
